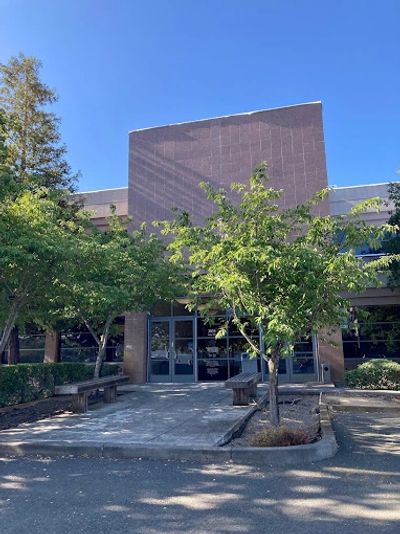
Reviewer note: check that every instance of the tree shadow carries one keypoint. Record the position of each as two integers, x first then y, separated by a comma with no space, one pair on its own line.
357,491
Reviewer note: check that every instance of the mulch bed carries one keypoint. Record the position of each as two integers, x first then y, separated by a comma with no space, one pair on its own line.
12,416
295,411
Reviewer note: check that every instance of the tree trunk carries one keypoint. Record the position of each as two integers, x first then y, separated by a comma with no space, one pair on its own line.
13,347
7,329
273,364
100,358
52,347
102,343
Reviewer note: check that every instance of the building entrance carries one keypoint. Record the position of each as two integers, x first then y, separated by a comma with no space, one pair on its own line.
184,349
171,349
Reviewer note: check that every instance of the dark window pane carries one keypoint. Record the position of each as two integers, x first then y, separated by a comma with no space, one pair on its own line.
205,329
184,329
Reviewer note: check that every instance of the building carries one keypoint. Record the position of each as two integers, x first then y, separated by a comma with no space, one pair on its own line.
166,164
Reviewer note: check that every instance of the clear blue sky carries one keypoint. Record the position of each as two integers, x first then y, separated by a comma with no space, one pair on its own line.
119,65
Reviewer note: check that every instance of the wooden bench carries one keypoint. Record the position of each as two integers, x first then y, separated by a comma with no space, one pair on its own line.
80,390
244,387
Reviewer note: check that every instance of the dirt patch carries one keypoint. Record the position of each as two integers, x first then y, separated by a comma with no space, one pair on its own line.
295,411
13,416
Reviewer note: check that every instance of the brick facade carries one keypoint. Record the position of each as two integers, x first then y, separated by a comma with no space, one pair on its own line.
167,163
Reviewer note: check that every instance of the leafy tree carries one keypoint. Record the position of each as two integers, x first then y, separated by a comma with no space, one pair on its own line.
32,155
8,185
114,272
282,271
34,246
34,149
392,243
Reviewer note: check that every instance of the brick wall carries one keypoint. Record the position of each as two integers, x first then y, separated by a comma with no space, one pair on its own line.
167,163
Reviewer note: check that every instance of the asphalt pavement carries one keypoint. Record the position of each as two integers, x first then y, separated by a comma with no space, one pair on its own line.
357,491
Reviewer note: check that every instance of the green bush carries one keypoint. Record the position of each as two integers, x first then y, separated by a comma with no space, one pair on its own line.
282,436
375,374
28,382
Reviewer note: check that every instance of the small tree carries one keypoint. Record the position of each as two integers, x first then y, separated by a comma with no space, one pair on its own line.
114,272
281,271
33,249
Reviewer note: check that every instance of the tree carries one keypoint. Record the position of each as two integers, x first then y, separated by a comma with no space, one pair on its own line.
34,247
392,242
32,155
281,271
34,149
8,186
114,272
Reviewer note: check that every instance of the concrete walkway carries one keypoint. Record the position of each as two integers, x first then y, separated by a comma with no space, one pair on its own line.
192,415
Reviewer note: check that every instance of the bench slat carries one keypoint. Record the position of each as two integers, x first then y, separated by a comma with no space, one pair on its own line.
90,385
243,380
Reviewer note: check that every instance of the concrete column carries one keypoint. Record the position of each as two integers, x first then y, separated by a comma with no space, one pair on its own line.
52,347
331,351
135,347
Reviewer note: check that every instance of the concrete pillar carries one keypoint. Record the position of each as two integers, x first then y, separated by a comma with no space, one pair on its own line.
135,347
331,352
52,347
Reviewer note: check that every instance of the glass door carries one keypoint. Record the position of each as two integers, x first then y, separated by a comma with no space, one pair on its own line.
159,351
301,367
171,350
182,350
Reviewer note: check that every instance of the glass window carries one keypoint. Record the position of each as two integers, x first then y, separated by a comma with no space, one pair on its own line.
374,333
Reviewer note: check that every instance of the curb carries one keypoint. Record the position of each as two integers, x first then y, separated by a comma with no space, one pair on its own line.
326,447
237,427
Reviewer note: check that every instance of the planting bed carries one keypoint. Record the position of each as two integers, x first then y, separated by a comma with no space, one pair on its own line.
295,411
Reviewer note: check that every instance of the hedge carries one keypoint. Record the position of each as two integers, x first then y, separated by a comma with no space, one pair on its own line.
32,381
375,374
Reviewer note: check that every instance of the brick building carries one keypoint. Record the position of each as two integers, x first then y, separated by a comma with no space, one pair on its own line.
166,165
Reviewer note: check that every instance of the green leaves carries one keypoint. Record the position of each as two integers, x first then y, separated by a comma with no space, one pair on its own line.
33,251
283,270
35,153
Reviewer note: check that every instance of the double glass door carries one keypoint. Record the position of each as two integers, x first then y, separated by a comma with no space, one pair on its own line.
171,349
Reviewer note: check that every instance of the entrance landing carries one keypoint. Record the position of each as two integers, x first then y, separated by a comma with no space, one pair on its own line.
181,415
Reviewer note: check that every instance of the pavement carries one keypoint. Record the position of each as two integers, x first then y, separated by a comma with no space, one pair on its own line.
178,421
356,492
184,415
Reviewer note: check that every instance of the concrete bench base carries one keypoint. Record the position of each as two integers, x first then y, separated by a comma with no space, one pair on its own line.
244,387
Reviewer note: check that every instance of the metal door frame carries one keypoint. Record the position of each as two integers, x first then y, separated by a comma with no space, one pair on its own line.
172,377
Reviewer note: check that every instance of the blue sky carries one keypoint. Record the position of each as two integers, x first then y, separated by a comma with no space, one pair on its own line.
119,65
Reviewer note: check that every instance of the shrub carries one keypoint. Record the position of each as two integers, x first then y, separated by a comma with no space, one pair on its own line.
28,382
282,436
375,374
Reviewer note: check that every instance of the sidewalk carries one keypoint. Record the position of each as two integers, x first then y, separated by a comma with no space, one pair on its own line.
184,415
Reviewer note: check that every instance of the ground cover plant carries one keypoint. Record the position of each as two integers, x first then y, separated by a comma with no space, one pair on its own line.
281,436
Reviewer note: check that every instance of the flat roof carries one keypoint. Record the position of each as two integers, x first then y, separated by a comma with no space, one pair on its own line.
226,116
363,185
100,190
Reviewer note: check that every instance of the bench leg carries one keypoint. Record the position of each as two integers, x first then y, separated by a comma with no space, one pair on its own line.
80,403
240,396
110,394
